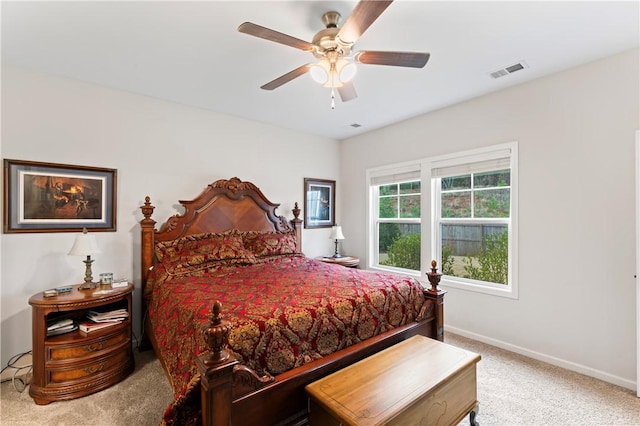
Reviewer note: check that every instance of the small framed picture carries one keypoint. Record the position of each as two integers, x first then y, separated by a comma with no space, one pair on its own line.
319,203
47,197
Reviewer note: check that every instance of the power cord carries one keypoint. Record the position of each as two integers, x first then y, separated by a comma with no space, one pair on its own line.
19,383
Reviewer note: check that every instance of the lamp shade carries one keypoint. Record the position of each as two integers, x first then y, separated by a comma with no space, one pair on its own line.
336,233
84,245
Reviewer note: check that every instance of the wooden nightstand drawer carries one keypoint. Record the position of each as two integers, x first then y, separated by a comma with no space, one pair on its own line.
86,348
98,366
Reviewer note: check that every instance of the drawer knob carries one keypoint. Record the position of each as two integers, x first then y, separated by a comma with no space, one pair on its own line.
93,348
95,368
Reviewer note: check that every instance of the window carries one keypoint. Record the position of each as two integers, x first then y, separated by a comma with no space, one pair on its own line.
396,213
459,209
398,225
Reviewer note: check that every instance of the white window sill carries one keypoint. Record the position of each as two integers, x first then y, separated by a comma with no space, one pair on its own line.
494,290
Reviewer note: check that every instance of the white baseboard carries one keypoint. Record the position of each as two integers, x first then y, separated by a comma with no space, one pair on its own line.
578,368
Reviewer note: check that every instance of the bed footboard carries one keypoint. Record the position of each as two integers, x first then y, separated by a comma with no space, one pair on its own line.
230,390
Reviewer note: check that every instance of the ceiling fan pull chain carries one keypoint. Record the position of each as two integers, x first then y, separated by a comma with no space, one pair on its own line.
333,99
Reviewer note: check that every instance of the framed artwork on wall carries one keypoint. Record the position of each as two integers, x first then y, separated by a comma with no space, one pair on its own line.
319,203
47,197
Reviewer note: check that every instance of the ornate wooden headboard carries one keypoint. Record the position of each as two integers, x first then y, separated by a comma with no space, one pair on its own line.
223,205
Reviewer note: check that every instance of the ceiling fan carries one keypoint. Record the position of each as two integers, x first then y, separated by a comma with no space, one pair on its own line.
332,47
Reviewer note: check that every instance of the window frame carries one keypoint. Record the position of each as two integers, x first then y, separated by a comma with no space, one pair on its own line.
429,228
378,220
460,161
376,177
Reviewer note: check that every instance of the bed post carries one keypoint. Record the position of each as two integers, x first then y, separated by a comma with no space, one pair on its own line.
216,371
146,244
296,222
148,228
436,297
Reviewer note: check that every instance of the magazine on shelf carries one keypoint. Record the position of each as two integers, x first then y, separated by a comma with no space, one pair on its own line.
116,315
89,326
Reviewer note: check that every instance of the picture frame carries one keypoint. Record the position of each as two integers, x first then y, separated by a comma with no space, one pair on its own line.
319,203
48,197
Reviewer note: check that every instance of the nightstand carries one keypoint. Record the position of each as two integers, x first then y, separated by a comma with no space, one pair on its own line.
76,364
347,261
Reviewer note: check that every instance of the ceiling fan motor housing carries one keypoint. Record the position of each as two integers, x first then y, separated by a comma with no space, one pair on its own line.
325,40
331,19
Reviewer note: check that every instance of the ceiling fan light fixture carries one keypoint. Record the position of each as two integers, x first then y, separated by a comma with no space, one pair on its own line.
347,70
320,71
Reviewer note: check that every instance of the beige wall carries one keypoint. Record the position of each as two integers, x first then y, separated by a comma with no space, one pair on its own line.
160,149
576,133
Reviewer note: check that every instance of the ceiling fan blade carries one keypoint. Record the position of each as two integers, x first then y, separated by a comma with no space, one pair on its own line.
347,91
268,34
396,59
362,16
274,84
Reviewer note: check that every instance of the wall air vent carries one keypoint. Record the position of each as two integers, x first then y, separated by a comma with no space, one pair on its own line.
509,70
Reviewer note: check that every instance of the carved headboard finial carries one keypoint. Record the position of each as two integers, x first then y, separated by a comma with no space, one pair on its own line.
234,184
147,208
296,211
147,211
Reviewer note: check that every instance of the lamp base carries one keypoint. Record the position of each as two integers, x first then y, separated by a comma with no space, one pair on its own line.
88,279
88,286
336,254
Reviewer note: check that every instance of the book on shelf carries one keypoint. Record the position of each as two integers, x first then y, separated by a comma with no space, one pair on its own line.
89,326
116,315
55,328
58,323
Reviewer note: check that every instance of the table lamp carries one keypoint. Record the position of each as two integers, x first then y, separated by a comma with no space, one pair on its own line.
336,234
85,245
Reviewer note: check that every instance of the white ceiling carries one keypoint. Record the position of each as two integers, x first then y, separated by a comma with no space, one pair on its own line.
191,52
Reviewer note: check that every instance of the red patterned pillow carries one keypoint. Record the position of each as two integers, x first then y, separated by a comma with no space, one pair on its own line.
270,243
228,249
168,249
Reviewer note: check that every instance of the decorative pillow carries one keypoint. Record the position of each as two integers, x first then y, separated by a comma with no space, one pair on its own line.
167,249
228,248
270,243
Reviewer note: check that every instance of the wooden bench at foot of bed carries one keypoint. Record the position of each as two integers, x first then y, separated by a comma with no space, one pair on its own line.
232,394
395,387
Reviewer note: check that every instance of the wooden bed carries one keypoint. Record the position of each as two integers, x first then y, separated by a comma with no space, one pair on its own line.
231,393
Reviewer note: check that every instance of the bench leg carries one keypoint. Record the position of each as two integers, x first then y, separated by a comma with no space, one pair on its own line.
472,415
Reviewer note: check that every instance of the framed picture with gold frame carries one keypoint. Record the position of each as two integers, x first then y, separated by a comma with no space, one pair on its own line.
319,203
48,197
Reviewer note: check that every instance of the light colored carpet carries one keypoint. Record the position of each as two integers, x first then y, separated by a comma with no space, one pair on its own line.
138,400
512,390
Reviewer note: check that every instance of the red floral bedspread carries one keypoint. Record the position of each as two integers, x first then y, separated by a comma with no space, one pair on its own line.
285,312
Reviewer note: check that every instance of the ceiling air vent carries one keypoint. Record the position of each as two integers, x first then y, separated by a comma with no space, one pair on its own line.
509,70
